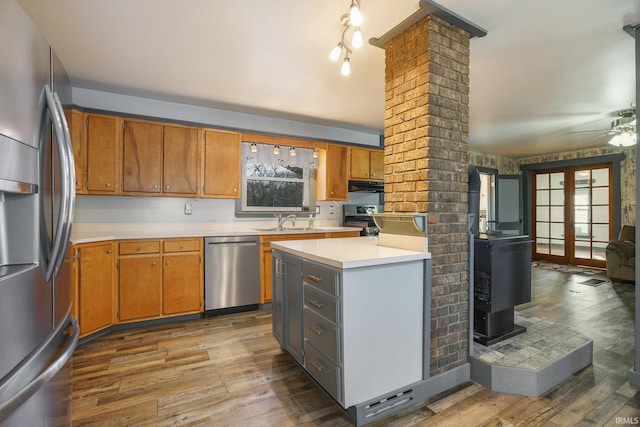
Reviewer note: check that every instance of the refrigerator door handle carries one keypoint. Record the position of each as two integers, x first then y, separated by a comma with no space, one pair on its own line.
68,176
58,245
9,405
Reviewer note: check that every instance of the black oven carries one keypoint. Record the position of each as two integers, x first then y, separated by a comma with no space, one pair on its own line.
361,216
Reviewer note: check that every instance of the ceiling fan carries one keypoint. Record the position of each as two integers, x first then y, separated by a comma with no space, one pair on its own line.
622,131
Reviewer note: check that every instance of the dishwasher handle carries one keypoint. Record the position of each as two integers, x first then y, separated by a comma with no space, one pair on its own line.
235,244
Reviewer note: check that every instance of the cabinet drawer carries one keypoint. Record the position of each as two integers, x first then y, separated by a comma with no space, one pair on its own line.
321,277
187,245
321,303
328,375
140,247
324,335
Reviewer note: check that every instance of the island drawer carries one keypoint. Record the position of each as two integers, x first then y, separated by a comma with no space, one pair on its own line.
321,277
328,375
139,247
183,245
324,335
321,303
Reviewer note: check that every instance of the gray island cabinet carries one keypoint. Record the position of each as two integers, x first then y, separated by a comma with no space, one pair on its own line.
356,317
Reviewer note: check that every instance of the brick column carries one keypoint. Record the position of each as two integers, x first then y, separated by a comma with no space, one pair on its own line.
426,158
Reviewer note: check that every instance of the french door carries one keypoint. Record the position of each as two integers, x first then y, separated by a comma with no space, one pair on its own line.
573,214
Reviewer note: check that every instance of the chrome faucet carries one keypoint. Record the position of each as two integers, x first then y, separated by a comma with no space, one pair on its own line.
281,220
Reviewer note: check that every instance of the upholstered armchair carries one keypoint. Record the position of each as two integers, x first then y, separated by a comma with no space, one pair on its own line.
621,255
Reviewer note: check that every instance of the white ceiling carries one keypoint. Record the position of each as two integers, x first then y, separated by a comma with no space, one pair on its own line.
545,68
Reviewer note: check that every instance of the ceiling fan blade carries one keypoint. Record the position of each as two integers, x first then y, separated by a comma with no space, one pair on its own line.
604,131
592,138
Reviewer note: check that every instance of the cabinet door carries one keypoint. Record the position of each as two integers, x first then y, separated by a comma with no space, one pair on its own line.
102,153
76,122
142,157
180,160
95,291
140,287
337,185
182,284
221,164
359,165
376,164
267,271
293,331
277,306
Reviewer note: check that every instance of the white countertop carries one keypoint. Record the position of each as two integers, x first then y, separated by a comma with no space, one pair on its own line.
96,232
345,253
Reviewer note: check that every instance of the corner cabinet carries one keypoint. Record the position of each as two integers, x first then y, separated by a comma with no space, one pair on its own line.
221,164
95,286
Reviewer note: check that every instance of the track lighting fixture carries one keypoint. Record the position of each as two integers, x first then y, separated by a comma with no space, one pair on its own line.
254,148
350,20
276,150
292,151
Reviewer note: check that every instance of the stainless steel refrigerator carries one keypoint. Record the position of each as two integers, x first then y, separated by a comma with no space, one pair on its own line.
38,333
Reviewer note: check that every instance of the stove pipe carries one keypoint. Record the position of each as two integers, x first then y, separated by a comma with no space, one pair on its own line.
473,198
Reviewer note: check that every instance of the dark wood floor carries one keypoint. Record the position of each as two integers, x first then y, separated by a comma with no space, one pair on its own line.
229,371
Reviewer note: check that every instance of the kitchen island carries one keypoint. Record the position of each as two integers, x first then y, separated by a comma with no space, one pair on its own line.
356,316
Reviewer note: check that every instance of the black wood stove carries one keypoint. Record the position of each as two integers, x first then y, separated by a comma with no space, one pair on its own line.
502,280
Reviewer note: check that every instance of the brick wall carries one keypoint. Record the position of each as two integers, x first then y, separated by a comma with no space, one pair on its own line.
426,158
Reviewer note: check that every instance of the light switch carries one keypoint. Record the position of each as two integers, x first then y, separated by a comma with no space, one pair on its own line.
187,208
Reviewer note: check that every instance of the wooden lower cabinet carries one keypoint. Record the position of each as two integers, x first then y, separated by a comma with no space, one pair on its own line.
159,278
95,291
266,269
140,287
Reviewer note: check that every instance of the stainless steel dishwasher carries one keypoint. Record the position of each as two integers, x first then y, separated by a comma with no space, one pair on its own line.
231,273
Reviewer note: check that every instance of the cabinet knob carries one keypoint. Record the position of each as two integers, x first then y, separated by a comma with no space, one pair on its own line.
155,186
167,263
139,248
109,251
167,186
235,190
108,184
181,246
153,264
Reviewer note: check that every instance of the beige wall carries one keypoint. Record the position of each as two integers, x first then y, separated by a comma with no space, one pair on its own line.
509,166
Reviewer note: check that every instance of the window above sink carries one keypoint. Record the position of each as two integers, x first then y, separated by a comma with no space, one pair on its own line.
277,180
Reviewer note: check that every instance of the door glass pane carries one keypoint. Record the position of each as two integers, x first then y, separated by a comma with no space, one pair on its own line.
557,247
542,213
600,214
557,197
557,180
542,181
542,246
542,197
581,197
598,250
557,213
542,229
582,231
582,178
600,196
600,232
600,177
557,230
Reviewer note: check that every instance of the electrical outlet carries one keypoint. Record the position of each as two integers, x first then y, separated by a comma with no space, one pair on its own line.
187,208
332,210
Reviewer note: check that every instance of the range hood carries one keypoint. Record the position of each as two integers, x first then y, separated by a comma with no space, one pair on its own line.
366,186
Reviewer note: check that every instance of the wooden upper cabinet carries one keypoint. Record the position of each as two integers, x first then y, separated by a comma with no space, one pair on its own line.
376,164
102,153
180,160
332,173
221,164
76,124
366,164
141,157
